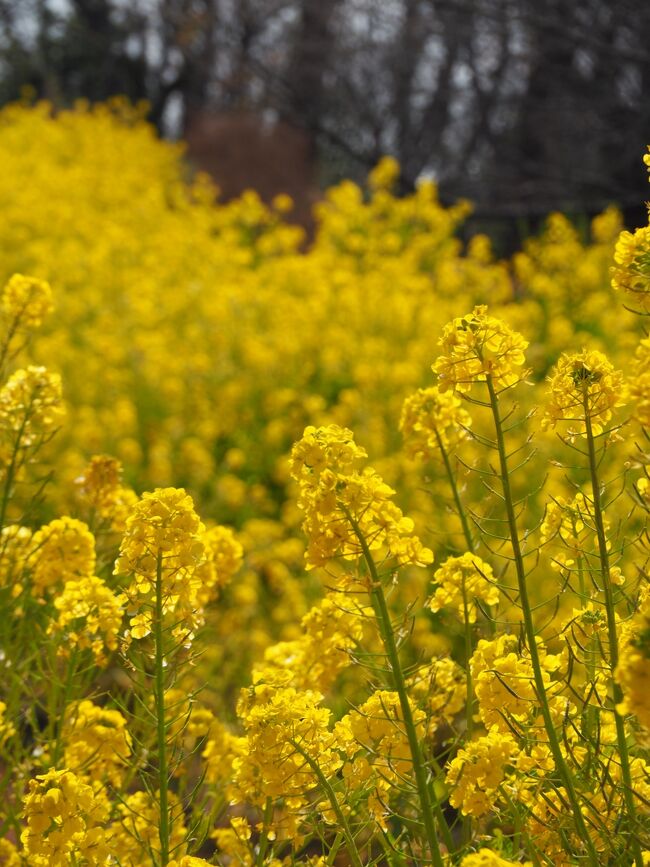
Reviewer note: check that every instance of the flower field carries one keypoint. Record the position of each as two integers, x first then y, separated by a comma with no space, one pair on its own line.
326,551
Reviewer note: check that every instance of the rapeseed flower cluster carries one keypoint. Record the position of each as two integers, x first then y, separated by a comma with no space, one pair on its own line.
64,817
461,582
155,711
346,508
583,388
160,550
477,346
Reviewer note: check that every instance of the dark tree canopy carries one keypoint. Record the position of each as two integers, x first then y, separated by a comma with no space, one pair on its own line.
521,105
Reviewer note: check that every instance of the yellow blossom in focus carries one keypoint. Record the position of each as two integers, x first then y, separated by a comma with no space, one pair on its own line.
162,544
287,734
342,504
505,685
64,817
478,770
477,346
580,386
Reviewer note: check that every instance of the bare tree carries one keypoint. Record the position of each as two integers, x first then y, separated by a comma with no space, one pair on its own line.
522,105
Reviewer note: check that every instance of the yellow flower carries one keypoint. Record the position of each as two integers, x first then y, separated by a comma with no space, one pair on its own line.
631,274
9,856
7,728
633,671
162,542
640,383
90,616
385,174
61,551
477,346
583,385
134,836
287,734
478,770
223,557
331,630
188,861
26,301
462,581
505,686
64,817
486,858
15,545
432,420
102,493
342,503
30,407
97,744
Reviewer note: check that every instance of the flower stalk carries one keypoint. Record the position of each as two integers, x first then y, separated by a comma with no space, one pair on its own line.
612,634
428,801
161,727
529,630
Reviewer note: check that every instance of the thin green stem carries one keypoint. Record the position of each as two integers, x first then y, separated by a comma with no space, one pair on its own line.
428,801
159,687
264,835
11,470
460,509
60,711
469,650
469,695
529,628
589,713
334,848
326,786
612,634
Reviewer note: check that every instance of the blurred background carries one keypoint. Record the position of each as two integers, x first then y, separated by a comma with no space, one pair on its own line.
523,106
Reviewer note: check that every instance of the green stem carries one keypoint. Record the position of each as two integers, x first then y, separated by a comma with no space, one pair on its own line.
469,649
469,697
326,786
60,711
612,634
589,713
334,848
264,836
529,628
467,533
11,469
159,687
428,801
